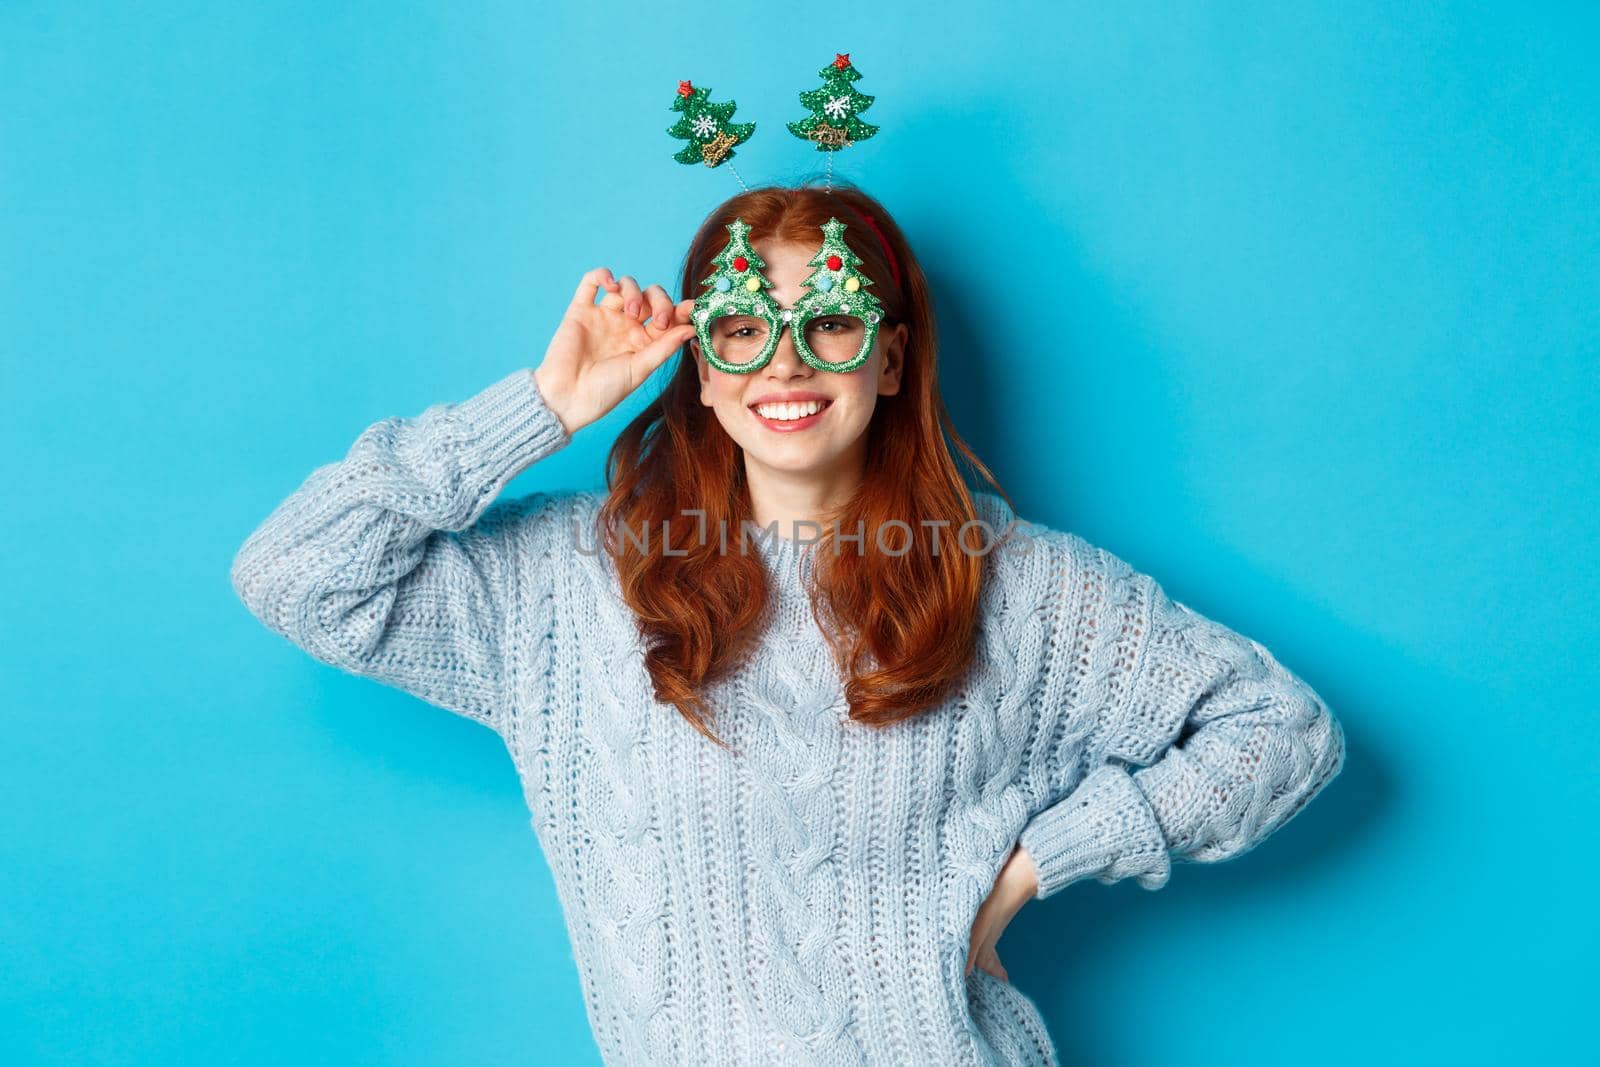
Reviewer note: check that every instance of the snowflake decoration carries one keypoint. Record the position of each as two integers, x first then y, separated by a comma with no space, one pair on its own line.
705,126
837,107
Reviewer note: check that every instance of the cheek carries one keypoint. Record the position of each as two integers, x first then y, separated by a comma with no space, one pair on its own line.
725,389
861,391
720,389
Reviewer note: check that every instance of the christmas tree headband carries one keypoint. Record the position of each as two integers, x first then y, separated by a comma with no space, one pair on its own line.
835,323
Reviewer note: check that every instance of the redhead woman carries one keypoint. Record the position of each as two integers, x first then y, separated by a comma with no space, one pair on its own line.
803,717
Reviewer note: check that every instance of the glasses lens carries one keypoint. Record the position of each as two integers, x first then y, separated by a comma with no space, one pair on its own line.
836,338
738,339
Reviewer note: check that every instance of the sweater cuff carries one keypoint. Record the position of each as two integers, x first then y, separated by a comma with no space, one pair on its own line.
508,426
1104,828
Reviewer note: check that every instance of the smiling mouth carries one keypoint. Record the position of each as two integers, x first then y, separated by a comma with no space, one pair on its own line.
792,411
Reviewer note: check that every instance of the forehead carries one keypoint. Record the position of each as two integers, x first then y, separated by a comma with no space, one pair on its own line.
787,267
785,254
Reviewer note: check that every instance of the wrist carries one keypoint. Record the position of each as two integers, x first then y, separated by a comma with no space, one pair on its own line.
549,401
1028,872
1018,882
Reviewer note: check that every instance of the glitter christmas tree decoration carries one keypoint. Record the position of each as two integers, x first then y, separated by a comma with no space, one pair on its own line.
833,123
709,128
836,287
737,287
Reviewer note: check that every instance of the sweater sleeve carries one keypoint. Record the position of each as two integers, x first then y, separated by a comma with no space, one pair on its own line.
392,564
1204,746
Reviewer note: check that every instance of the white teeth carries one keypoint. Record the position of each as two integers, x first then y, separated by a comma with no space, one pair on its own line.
789,412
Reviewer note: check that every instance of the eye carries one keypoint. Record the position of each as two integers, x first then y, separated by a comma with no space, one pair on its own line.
835,324
740,328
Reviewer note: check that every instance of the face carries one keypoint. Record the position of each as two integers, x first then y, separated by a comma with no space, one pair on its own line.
827,441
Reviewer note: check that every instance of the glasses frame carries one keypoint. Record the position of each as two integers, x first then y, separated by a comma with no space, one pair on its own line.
796,319
752,299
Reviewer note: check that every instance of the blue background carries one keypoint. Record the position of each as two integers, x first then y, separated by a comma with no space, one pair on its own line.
1291,305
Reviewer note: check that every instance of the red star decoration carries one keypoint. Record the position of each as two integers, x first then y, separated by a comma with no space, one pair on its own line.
685,89
841,59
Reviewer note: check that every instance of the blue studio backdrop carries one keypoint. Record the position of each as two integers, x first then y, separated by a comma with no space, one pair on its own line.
1289,304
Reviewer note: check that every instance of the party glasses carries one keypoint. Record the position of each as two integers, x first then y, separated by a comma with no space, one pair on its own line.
834,325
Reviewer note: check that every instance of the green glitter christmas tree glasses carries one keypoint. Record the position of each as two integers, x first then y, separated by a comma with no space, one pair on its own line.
834,325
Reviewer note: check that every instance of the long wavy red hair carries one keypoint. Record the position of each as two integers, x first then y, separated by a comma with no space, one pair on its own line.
902,628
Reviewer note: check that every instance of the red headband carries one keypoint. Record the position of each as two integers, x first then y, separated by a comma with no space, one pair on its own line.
888,253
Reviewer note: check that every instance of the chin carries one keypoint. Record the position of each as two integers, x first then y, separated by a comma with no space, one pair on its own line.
791,463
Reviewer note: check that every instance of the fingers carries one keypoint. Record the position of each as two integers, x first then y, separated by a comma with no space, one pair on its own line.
632,299
985,958
660,307
623,294
591,284
990,961
644,362
979,955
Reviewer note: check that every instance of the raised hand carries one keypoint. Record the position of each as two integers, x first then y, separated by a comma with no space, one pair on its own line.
602,352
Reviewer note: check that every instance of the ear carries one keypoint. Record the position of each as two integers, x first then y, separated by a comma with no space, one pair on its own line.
894,355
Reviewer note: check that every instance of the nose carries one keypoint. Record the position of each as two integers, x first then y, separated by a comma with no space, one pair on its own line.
786,362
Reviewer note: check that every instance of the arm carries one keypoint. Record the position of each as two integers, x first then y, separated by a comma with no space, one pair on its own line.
1205,745
391,563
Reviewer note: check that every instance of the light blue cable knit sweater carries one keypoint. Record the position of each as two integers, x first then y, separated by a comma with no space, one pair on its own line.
810,900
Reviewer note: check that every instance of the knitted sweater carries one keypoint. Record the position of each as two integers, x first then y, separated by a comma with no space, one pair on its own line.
809,899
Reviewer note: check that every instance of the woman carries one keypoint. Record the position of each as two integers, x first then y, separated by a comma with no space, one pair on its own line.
792,789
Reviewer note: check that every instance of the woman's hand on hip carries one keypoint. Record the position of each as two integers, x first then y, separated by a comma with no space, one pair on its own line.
1015,885
602,352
